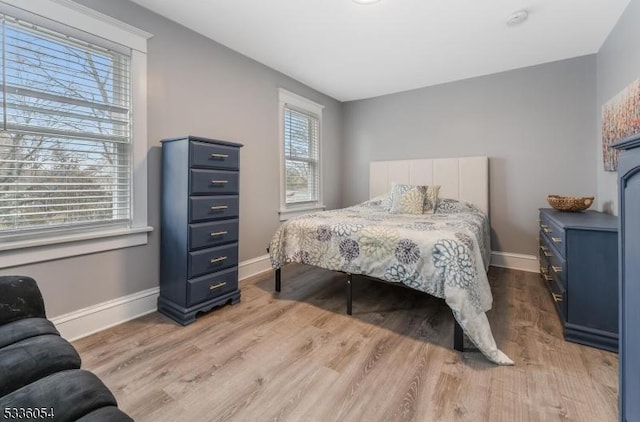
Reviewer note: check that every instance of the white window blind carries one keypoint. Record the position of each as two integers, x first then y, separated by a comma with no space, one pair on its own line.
65,143
301,139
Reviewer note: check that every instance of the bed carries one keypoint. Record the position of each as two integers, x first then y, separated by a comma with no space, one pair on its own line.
445,254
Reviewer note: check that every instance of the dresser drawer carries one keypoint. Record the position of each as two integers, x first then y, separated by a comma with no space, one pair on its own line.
211,285
559,297
211,182
544,266
212,259
212,207
556,264
212,234
214,156
554,233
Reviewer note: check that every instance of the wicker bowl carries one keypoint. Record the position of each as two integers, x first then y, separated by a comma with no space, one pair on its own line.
570,203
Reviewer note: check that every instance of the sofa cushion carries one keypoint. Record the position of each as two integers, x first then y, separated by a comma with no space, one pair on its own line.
28,360
25,328
71,395
21,298
39,369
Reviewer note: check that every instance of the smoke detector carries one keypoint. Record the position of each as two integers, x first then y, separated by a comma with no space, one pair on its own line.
516,18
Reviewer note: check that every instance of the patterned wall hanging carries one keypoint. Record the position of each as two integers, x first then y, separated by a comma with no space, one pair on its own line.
620,118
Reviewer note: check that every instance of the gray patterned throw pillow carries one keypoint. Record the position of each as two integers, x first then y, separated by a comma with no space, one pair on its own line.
407,199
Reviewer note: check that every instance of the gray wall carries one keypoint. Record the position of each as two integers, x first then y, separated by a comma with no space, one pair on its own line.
618,65
536,124
199,87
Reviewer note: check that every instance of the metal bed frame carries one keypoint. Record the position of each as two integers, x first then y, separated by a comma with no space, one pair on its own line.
458,334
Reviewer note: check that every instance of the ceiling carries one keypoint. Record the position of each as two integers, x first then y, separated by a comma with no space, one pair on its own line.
350,51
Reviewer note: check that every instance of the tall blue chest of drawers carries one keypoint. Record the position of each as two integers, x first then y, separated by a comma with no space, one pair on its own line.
199,226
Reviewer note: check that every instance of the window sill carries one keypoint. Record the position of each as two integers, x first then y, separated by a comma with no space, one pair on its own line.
24,252
294,212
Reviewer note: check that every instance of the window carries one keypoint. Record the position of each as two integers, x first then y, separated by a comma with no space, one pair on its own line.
301,136
64,138
301,121
68,150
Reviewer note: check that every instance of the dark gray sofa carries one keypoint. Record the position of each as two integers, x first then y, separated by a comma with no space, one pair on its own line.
40,375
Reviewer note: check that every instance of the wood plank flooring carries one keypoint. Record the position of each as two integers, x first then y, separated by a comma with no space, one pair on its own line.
296,356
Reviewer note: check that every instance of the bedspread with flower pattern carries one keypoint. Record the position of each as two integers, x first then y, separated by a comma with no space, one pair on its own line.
445,254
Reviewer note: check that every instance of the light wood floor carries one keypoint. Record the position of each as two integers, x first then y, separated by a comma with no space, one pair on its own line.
296,356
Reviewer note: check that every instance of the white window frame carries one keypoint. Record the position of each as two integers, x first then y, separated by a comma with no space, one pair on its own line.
76,17
291,210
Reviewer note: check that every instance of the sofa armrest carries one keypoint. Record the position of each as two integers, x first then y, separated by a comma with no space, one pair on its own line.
19,298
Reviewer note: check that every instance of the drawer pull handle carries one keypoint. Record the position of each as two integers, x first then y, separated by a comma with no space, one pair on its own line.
219,207
222,233
556,269
219,182
217,286
219,155
545,251
218,259
547,230
556,297
556,240
543,270
547,277
544,226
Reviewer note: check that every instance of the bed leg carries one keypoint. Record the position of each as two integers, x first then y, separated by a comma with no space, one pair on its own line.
458,336
278,279
349,293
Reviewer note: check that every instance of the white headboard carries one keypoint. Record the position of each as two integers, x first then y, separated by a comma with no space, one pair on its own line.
463,178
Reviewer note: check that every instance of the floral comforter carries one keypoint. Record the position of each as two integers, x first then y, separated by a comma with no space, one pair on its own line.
445,254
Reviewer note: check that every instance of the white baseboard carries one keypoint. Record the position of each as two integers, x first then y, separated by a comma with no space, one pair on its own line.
253,266
515,261
92,319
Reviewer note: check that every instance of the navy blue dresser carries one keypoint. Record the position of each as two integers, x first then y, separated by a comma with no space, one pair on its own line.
579,263
629,189
199,226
